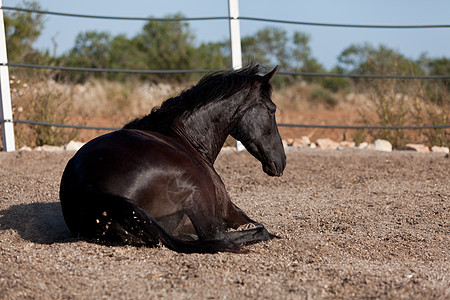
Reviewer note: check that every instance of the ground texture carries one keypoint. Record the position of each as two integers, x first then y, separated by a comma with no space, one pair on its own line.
353,224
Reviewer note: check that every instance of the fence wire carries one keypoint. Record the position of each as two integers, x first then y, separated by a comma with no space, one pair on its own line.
39,123
102,70
366,127
351,127
226,18
110,17
281,72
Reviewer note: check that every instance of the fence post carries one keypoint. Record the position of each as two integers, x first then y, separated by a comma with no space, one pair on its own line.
235,41
235,34
5,94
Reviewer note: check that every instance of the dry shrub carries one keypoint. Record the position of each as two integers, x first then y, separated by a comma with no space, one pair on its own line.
302,96
391,110
108,103
407,103
431,105
111,98
95,101
44,102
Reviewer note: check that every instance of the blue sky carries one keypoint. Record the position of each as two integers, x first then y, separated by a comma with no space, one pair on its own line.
326,43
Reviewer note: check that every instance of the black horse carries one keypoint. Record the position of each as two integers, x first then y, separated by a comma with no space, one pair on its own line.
154,181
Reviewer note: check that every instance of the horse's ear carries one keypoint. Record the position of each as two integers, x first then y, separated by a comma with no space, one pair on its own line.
266,78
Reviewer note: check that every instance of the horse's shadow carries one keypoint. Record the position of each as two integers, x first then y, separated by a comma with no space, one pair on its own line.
41,223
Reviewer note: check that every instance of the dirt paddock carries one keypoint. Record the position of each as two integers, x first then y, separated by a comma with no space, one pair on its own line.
354,224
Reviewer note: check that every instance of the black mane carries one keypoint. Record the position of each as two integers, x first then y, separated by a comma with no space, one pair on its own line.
212,87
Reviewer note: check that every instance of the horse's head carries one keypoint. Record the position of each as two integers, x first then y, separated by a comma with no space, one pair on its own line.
257,130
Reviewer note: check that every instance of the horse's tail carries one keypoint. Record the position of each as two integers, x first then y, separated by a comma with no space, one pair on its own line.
111,218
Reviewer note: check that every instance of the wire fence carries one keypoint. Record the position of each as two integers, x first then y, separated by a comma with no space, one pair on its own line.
39,123
279,124
281,72
226,18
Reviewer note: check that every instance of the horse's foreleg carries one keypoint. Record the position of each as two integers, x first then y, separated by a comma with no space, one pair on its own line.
201,212
231,215
235,217
207,228
249,231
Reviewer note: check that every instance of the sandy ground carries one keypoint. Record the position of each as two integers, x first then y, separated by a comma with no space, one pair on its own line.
354,224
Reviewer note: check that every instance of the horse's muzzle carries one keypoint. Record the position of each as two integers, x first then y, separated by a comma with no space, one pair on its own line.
275,169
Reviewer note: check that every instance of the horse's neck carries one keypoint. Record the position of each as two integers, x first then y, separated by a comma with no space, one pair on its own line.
207,129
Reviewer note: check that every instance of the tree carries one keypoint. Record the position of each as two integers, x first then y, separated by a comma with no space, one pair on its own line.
268,46
167,44
439,66
274,46
126,54
92,50
301,54
366,59
160,45
22,30
213,55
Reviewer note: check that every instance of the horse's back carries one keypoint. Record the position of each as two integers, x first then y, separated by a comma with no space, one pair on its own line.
152,171
112,160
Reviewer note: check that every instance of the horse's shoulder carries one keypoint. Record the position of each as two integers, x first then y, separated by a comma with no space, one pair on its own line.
172,145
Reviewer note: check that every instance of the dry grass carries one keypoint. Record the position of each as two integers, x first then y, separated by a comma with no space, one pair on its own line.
44,102
111,104
108,98
95,103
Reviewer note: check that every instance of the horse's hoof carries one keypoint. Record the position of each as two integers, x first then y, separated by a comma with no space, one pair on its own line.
273,236
249,226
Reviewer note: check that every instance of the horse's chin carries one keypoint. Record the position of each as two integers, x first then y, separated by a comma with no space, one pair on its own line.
271,170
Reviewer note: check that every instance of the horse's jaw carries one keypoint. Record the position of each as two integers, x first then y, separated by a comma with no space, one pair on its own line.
272,165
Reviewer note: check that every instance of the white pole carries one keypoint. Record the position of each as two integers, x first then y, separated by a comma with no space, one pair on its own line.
235,40
235,34
5,94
